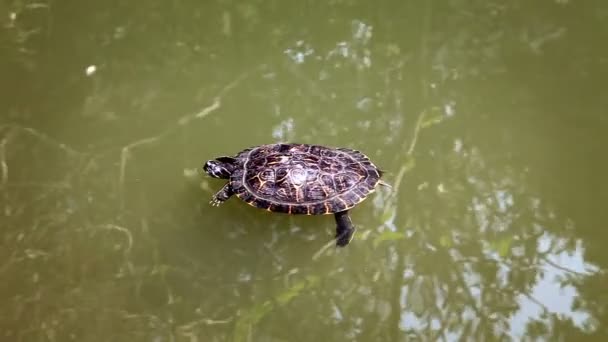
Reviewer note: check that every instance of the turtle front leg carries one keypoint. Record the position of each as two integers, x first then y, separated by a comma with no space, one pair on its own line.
344,229
222,195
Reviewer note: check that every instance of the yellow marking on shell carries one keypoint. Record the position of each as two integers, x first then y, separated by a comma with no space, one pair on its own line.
325,191
307,210
261,183
343,202
326,208
362,198
289,210
298,193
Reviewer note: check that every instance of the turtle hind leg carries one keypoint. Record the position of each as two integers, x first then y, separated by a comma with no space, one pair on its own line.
344,229
222,195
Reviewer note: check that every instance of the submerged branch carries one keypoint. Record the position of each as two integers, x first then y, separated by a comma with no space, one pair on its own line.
419,122
323,249
407,165
3,163
41,185
123,230
12,130
215,105
42,137
192,329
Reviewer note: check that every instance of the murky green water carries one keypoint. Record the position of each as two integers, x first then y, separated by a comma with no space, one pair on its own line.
489,118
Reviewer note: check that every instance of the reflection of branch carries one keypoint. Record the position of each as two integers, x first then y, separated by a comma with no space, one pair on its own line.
535,301
126,150
466,289
559,267
543,257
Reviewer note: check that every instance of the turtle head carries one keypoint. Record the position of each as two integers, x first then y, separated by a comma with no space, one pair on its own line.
221,167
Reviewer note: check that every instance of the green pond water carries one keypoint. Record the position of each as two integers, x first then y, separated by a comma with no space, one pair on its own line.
489,118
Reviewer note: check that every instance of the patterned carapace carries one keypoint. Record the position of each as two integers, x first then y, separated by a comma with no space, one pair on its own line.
303,179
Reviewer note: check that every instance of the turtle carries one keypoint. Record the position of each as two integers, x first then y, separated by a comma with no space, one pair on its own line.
297,179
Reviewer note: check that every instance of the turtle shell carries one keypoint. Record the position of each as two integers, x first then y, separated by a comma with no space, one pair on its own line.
303,179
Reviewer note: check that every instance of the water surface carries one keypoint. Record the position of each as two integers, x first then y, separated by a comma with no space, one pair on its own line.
489,118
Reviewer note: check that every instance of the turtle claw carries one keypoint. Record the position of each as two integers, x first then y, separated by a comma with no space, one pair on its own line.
221,196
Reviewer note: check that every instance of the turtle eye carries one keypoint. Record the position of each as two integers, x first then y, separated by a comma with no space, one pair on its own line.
216,169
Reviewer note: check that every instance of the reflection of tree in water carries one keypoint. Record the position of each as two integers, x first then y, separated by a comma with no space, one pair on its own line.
469,248
499,242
